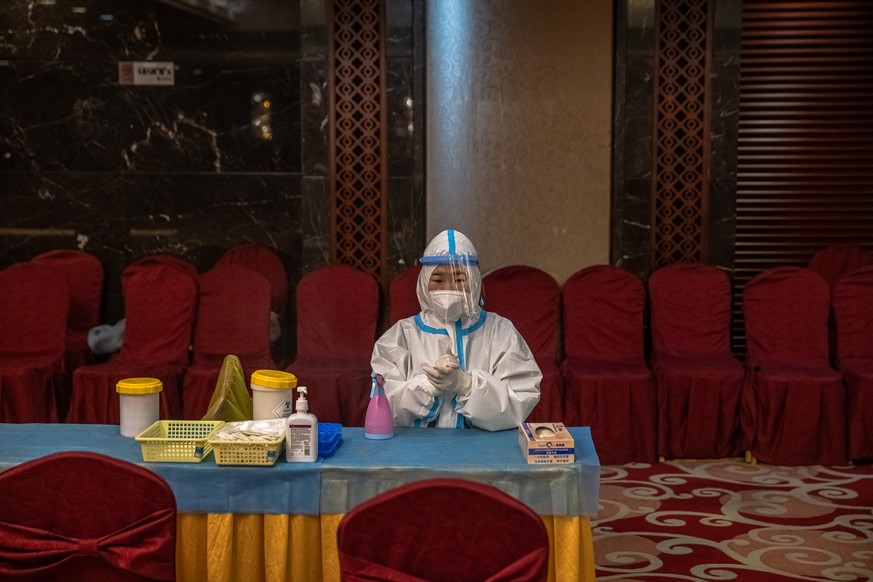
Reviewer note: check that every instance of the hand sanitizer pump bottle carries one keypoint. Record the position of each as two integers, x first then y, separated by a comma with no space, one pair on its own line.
379,422
301,437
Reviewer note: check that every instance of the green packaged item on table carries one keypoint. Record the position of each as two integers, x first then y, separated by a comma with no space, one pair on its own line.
231,401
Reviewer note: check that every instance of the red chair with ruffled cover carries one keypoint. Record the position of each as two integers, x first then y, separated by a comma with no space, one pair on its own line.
33,327
531,299
402,297
852,303
233,317
794,403
700,382
337,313
85,516
443,529
160,302
831,263
608,384
834,261
84,274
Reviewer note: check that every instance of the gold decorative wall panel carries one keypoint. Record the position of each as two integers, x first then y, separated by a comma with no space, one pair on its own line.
681,144
357,76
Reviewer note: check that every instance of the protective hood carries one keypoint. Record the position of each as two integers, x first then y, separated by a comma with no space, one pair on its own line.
453,257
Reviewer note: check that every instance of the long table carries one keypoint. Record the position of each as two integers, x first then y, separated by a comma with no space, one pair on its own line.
278,523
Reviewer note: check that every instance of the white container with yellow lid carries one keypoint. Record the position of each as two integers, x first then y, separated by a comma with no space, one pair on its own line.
139,404
272,394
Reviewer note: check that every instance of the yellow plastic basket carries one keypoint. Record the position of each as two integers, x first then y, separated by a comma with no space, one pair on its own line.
259,451
177,441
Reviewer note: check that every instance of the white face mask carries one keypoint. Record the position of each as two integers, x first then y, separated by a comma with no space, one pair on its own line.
448,305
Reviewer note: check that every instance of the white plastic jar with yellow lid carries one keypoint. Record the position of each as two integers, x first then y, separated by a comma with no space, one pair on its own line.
272,394
139,404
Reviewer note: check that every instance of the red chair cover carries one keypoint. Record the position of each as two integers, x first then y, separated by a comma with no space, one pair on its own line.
267,262
233,317
834,261
443,529
148,261
33,324
699,380
84,274
853,307
337,312
160,302
531,299
85,516
794,403
402,297
609,387
831,263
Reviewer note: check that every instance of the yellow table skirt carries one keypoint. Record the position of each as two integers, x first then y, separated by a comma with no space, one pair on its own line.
224,547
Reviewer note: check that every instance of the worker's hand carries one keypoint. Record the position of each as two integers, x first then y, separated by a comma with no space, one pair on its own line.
446,376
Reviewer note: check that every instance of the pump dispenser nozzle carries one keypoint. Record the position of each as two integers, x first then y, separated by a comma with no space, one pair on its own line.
302,403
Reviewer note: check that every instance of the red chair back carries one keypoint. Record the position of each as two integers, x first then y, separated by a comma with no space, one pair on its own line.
33,313
233,317
834,261
531,299
603,311
691,310
267,262
85,516
853,308
84,274
148,261
443,529
160,302
337,313
402,297
786,311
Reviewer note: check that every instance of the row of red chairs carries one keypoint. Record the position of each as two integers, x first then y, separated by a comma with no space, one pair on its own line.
48,374
686,400
688,395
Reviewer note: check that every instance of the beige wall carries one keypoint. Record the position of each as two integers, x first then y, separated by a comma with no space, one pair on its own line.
518,129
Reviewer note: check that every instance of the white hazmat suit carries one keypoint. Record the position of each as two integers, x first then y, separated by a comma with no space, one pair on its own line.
454,363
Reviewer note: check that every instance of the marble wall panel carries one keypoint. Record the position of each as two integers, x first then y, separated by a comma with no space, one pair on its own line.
211,121
121,170
119,217
406,134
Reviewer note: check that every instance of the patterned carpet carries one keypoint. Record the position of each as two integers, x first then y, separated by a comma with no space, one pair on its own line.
728,520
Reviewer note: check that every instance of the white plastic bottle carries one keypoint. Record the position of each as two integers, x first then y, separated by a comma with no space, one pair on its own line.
301,438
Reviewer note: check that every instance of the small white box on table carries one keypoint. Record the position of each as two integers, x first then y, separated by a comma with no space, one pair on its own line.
546,443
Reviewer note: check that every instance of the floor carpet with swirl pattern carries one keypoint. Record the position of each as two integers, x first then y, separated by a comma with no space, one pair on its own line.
728,520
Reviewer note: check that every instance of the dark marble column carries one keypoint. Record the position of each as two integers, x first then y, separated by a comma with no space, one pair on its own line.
632,136
631,244
724,84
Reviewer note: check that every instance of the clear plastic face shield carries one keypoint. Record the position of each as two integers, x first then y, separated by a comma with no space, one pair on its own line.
450,282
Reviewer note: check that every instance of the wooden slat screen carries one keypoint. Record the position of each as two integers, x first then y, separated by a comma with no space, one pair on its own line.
358,153
805,142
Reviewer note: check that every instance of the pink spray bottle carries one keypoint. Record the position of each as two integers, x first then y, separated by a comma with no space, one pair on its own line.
379,422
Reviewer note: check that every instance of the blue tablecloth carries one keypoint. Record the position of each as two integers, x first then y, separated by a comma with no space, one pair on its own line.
363,468
360,469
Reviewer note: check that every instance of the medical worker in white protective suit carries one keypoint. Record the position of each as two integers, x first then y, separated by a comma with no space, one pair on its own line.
455,364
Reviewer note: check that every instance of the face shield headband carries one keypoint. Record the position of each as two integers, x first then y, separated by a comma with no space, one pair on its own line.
463,260
453,257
